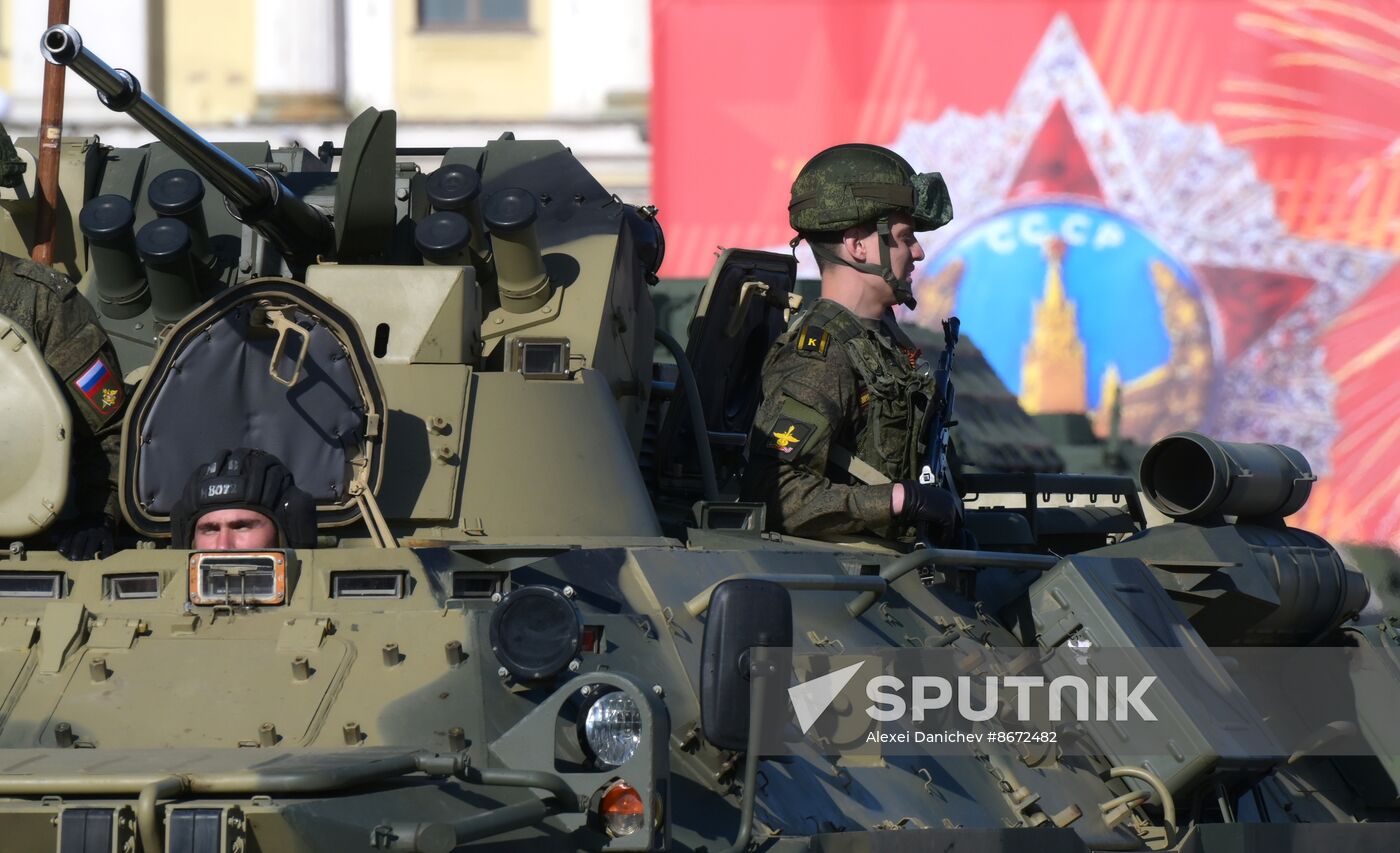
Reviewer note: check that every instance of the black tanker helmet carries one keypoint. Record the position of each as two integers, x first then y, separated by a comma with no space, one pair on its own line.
245,479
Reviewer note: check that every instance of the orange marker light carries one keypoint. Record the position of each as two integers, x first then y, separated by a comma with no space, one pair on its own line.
622,809
590,638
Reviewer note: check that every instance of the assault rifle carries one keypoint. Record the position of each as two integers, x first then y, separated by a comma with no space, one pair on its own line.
935,468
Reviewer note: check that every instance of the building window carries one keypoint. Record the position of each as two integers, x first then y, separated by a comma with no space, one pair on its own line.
473,14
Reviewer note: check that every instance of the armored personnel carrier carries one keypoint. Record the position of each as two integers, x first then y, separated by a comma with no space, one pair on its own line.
536,616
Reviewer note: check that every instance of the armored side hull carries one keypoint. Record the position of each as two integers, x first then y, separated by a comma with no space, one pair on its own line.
520,627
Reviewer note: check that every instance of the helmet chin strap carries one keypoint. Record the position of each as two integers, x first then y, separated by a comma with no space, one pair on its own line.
903,293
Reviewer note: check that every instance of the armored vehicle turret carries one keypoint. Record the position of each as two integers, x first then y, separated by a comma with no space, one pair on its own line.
537,615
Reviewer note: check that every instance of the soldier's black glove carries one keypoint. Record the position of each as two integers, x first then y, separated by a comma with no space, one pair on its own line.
87,538
930,508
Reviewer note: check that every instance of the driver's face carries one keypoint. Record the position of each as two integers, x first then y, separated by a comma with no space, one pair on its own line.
234,530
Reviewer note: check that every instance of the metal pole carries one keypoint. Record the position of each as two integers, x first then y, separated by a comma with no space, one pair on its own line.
50,134
759,674
948,556
870,584
697,414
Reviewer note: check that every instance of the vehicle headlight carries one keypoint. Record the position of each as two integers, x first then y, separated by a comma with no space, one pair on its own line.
613,728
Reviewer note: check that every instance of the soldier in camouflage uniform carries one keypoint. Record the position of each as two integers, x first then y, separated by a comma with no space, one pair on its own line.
47,305
839,437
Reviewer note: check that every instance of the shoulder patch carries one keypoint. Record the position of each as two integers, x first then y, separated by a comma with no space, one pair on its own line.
788,433
100,385
47,276
813,341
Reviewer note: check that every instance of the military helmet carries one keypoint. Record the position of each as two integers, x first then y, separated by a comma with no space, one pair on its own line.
855,183
245,479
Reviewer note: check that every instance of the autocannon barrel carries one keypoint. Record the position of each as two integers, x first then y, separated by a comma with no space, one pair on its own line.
255,196
1190,477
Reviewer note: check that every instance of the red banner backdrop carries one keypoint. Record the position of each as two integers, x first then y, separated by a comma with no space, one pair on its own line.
1251,147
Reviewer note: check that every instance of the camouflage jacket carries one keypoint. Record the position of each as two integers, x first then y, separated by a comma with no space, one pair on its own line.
833,380
47,305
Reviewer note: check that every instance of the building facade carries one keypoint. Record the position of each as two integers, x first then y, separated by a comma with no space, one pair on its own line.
458,72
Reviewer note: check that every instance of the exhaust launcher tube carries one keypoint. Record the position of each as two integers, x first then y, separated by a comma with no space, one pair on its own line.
522,284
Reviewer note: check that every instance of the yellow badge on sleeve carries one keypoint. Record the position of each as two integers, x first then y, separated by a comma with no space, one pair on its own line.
788,434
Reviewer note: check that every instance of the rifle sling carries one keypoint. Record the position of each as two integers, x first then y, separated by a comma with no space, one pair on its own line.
843,460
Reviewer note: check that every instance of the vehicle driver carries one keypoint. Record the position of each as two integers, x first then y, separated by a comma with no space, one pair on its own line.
243,500
838,439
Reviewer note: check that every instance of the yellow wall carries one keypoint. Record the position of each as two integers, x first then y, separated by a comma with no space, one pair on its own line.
7,44
439,75
443,75
209,60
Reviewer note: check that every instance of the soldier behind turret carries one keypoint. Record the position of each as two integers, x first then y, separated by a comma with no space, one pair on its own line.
837,442
49,308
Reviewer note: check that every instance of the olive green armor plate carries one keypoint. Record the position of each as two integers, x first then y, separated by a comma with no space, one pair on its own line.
35,425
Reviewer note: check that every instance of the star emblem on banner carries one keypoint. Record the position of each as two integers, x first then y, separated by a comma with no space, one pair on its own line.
1268,296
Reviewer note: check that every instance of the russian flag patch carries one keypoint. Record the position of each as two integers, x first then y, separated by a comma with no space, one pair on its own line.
100,386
